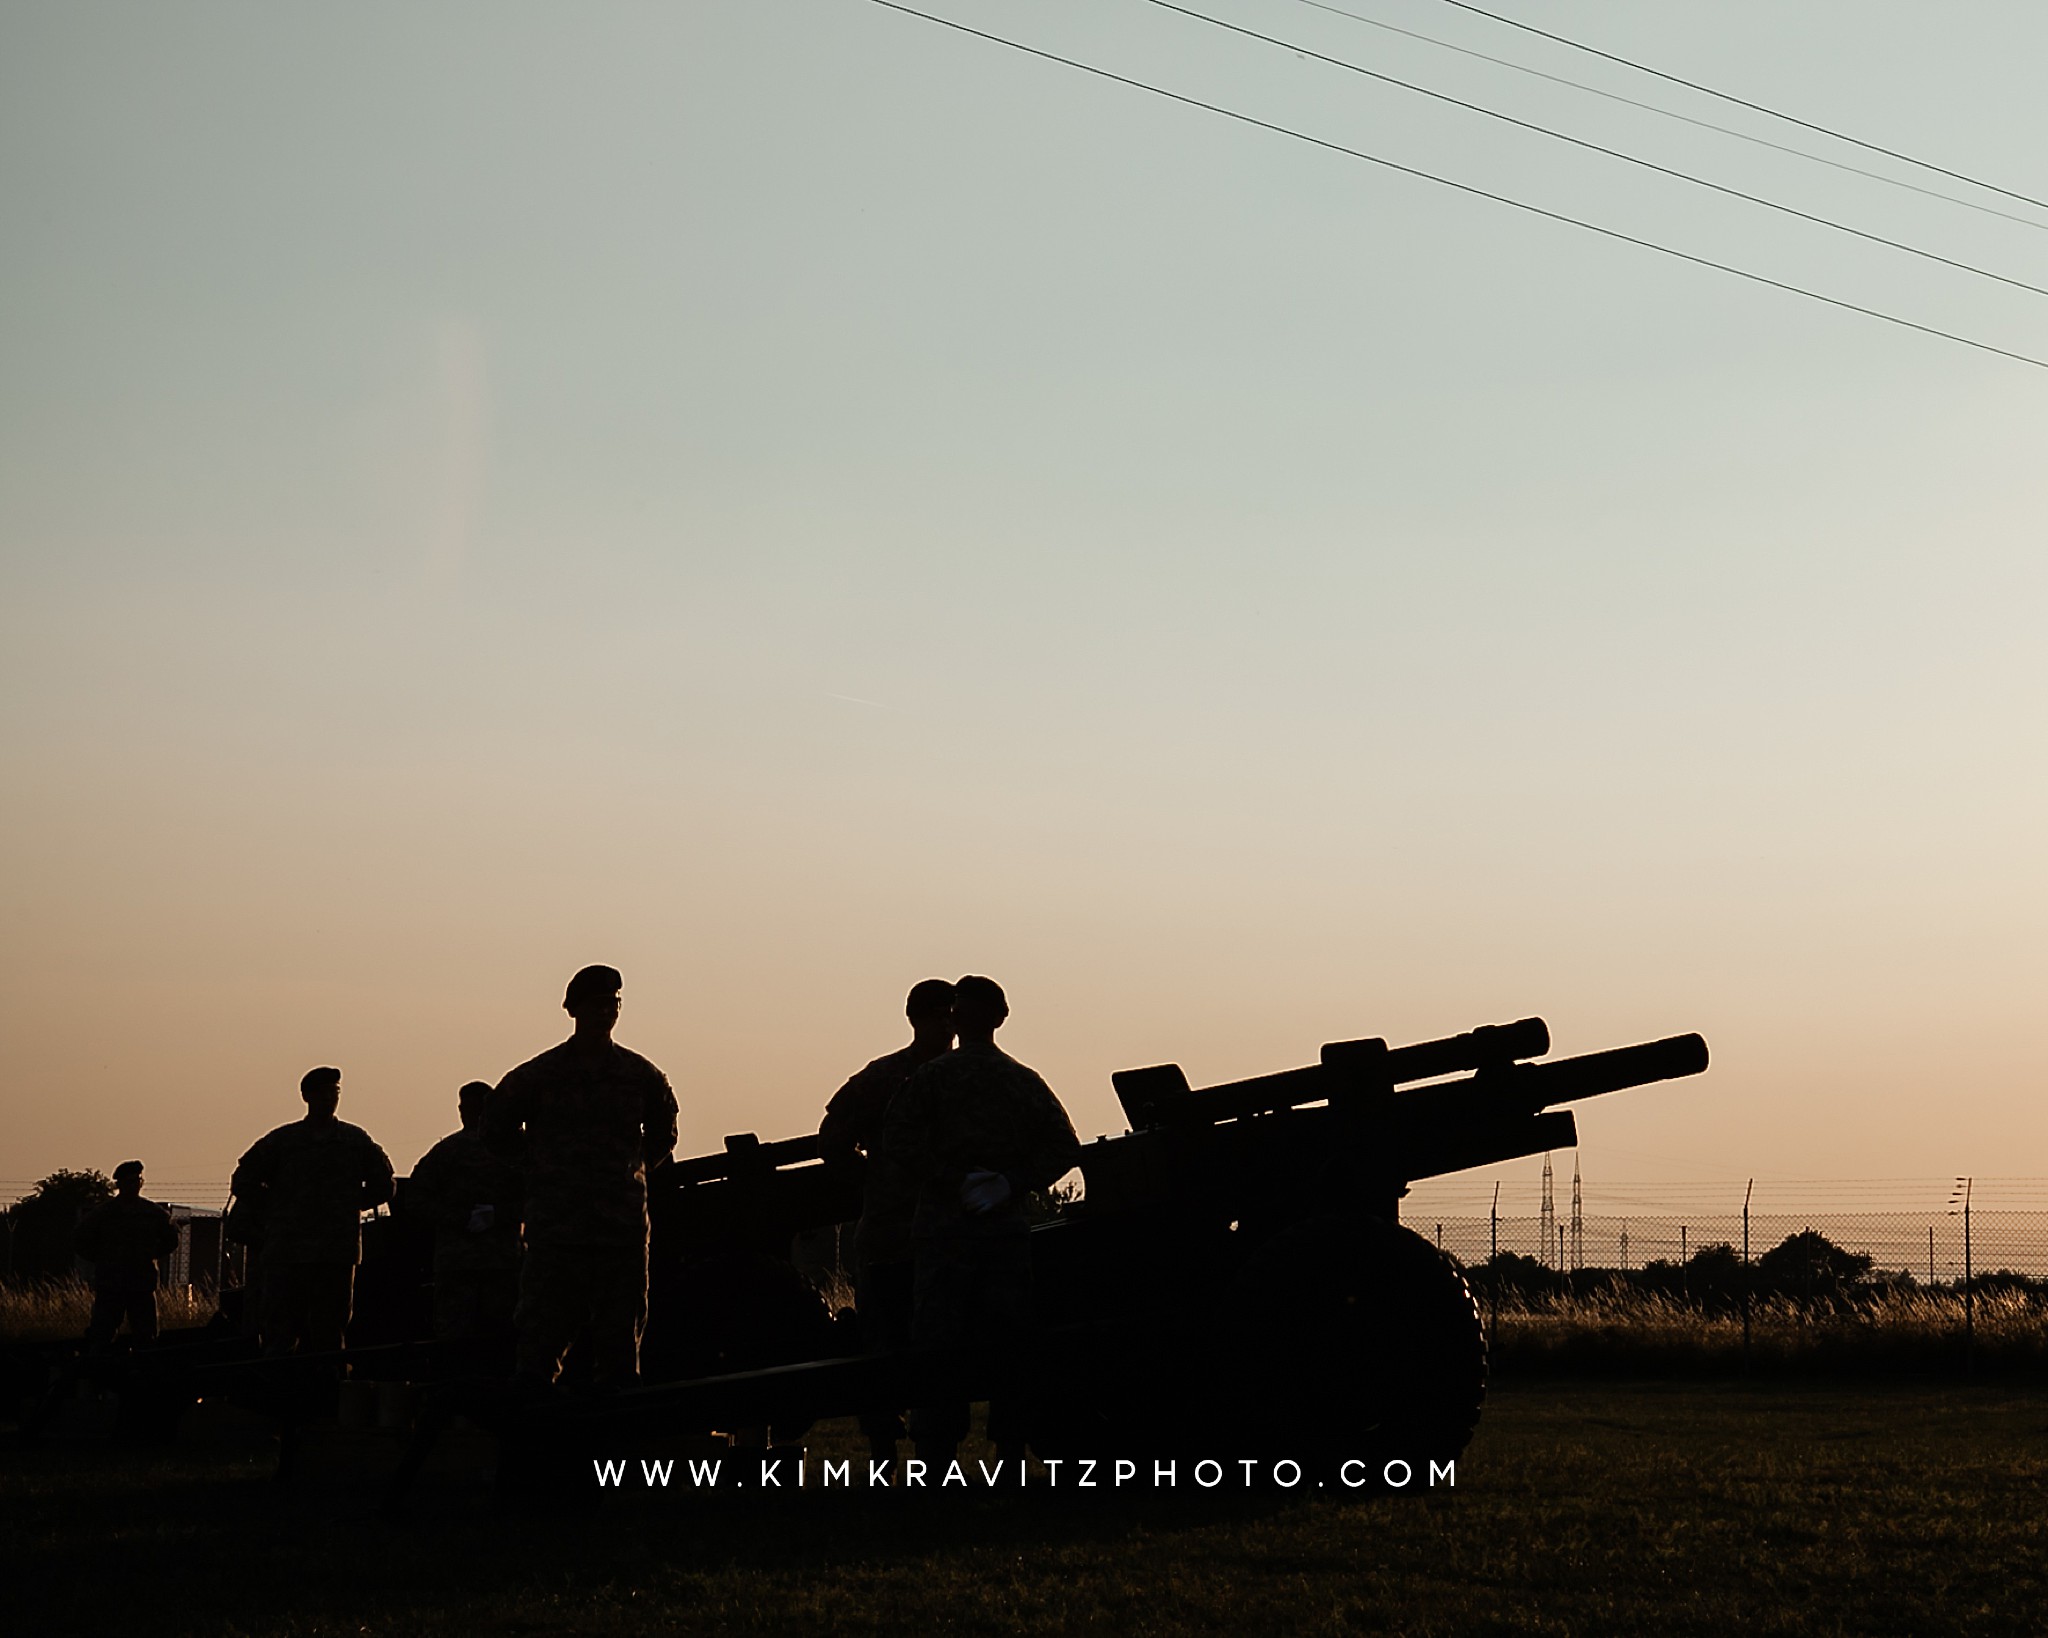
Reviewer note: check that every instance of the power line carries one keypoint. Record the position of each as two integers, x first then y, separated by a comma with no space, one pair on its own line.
1598,148
1683,119
1462,187
1743,102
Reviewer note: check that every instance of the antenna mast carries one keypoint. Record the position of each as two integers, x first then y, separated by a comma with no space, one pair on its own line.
1578,1220
1549,1225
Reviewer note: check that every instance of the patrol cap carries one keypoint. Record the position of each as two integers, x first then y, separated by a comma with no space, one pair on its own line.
127,1168
314,1079
593,983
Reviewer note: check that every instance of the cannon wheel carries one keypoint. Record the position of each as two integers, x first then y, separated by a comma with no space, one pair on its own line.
1355,1337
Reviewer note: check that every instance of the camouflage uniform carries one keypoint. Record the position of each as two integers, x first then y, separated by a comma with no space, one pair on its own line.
595,1118
975,1109
123,1241
855,1119
316,1177
472,1196
883,1274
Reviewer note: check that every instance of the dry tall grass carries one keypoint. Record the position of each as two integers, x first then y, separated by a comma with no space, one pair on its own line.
1653,1334
40,1310
1610,1331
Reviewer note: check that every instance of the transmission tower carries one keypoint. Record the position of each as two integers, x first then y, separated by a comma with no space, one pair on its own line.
1549,1227
1578,1221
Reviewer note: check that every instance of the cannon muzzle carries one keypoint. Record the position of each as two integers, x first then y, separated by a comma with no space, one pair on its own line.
1676,1056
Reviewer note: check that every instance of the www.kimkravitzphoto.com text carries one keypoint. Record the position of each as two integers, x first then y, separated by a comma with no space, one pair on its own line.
794,1471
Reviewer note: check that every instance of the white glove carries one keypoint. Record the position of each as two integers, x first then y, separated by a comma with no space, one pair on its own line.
982,1192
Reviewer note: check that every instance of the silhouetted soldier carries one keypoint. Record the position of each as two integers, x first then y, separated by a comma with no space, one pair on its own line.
977,1132
588,1120
311,1182
851,1135
471,1195
123,1240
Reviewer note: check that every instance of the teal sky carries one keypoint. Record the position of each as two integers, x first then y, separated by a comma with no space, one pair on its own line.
789,500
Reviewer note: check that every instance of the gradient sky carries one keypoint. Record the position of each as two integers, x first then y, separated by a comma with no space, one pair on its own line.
788,500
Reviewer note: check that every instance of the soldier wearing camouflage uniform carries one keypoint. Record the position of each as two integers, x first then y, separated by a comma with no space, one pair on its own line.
310,1182
587,1120
851,1137
123,1241
976,1132
472,1197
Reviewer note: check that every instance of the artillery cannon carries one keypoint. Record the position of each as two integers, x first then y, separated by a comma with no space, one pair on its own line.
1235,1277
1235,1280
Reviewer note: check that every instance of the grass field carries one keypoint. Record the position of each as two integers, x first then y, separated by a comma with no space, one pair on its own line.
1639,1509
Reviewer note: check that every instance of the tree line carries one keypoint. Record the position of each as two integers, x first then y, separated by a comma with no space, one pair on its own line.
1806,1267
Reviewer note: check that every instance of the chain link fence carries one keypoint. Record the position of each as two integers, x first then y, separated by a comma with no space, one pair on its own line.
1949,1273
1932,1231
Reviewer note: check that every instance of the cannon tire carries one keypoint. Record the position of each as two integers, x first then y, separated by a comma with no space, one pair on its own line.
1355,1337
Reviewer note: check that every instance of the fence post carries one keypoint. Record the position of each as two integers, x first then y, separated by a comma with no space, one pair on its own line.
1962,1190
1493,1268
1747,1190
1969,1294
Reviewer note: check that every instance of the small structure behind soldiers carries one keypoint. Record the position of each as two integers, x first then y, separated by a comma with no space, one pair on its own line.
124,1241
851,1135
472,1197
309,1183
976,1132
586,1120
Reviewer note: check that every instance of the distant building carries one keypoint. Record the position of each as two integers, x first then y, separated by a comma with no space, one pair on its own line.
203,1256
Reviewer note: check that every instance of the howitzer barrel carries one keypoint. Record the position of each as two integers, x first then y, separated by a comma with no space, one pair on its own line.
1586,1077
744,1155
1161,1094
1499,1116
1475,1049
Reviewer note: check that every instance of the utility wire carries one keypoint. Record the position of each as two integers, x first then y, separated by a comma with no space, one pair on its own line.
1598,148
1743,102
1683,119
1445,181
